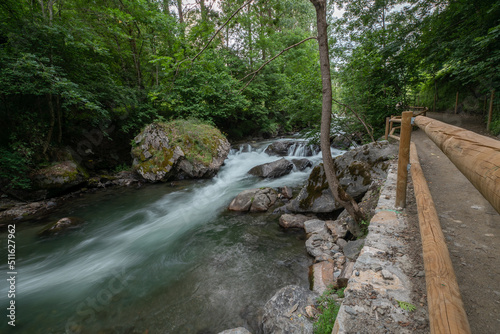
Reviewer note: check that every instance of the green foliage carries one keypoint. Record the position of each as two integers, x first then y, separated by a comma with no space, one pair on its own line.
121,168
329,310
406,306
14,170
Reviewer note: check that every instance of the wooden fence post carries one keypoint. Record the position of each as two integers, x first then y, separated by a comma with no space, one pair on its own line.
403,159
387,127
456,104
490,113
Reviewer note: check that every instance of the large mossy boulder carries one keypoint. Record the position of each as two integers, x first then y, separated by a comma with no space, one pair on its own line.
356,170
60,177
179,150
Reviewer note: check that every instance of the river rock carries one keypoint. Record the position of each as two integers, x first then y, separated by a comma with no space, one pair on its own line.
279,148
62,225
353,248
239,330
302,164
179,150
337,227
273,169
341,142
290,147
320,244
286,192
286,313
322,273
60,177
254,200
356,170
293,221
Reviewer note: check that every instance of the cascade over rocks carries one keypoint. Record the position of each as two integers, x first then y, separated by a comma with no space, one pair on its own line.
179,150
356,170
273,169
285,312
290,147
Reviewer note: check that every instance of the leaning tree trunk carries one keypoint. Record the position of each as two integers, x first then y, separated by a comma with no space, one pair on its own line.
326,112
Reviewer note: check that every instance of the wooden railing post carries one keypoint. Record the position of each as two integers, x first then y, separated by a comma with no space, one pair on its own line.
456,104
387,127
403,159
490,113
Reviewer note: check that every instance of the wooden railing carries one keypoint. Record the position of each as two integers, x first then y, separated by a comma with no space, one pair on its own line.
389,121
478,158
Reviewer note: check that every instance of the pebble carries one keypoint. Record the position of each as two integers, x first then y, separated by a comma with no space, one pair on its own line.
387,275
356,273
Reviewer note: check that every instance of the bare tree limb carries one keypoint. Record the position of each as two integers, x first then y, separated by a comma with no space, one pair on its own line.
210,41
254,73
368,128
220,28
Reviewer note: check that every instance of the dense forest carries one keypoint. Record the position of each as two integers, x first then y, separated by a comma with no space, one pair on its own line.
86,76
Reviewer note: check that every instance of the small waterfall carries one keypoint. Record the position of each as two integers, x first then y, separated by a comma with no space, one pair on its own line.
163,242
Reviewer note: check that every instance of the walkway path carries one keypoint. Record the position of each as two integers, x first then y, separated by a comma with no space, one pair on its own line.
471,227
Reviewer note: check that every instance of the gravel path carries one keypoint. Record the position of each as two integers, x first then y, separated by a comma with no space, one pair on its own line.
471,227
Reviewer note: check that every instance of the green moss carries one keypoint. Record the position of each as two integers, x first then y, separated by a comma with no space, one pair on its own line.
360,169
316,184
199,143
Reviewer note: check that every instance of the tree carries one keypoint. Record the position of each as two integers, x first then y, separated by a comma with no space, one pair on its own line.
326,112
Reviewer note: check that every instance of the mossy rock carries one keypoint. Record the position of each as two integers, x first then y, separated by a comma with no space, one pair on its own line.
60,177
178,150
356,170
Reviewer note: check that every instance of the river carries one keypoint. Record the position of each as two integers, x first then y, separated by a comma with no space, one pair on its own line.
164,258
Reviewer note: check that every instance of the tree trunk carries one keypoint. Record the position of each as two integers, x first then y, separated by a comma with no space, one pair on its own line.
326,111
203,10
179,10
52,123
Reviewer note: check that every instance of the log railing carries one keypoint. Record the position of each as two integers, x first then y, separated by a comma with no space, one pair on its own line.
478,158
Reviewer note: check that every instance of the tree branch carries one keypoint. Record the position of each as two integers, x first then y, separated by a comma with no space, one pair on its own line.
220,28
368,128
254,73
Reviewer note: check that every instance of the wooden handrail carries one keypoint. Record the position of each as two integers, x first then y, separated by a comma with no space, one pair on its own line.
476,156
446,309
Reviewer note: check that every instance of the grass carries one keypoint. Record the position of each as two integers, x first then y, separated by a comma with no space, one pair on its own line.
329,309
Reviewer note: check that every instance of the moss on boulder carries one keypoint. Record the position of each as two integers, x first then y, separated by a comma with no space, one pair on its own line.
60,177
356,170
178,150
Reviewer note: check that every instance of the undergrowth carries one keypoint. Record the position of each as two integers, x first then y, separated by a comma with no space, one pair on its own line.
329,309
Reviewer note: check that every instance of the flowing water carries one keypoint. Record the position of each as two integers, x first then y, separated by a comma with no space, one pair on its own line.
159,259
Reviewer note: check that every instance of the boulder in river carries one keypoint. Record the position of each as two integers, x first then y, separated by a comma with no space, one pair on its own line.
356,170
273,169
293,221
302,164
291,147
254,200
178,150
285,312
62,225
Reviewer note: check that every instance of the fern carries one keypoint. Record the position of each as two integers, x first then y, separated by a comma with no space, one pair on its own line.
406,306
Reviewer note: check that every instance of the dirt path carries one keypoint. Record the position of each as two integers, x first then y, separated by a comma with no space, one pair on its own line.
471,227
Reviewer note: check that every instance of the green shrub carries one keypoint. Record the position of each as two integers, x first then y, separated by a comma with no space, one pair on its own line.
14,170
